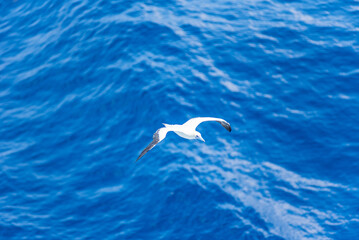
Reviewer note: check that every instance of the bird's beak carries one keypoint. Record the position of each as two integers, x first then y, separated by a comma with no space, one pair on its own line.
200,137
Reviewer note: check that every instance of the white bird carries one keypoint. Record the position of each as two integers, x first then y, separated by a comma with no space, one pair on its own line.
186,130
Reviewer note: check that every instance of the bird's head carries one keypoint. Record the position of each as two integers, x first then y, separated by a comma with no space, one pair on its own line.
199,136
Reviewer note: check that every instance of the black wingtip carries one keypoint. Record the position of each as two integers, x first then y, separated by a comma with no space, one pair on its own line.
226,126
139,157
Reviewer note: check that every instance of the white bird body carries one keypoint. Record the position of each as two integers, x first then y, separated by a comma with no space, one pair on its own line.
186,130
186,134
181,130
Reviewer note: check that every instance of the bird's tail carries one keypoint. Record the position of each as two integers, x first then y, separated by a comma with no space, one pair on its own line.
166,125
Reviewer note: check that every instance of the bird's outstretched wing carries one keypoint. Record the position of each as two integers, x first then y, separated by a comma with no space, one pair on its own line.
194,122
158,136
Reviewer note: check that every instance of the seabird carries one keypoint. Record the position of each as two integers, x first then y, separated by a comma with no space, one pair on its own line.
186,130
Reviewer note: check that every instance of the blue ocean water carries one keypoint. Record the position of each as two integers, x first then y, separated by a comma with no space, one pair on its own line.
85,84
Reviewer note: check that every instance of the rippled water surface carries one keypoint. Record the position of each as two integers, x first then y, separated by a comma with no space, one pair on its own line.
85,84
